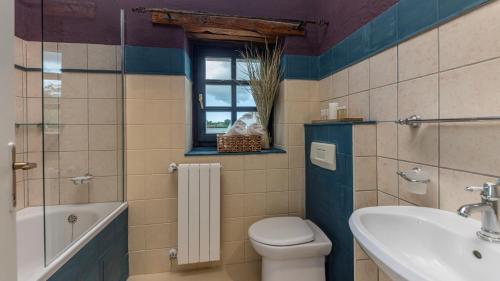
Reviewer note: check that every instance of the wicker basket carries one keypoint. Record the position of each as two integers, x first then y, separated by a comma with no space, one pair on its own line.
250,143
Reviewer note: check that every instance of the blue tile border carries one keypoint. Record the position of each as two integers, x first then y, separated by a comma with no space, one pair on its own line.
400,22
149,60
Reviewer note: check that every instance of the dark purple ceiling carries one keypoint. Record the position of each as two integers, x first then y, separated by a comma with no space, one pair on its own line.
344,16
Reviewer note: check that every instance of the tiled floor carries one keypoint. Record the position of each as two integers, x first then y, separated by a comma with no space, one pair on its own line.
236,272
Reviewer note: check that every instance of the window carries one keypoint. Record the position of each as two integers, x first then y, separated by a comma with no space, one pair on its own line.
221,94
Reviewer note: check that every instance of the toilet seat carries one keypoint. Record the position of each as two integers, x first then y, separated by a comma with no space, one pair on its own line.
281,231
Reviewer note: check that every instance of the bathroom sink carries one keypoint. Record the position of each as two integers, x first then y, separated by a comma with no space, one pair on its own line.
417,244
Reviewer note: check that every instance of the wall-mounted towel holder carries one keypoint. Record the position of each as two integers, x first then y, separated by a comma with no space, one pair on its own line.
417,178
415,121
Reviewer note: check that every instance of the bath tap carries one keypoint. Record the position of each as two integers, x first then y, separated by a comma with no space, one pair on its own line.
490,229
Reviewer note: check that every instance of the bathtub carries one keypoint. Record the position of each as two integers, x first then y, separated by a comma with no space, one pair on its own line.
90,220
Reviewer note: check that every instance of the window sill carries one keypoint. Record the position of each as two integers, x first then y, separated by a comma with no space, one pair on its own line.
207,151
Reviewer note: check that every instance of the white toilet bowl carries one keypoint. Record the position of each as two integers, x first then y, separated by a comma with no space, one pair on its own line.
292,249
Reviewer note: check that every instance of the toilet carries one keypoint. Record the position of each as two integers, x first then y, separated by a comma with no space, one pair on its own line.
292,249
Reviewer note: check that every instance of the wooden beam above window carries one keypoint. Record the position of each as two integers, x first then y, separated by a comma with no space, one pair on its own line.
226,27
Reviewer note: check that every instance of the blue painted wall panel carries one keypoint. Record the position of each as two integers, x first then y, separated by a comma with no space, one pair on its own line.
165,61
329,197
104,258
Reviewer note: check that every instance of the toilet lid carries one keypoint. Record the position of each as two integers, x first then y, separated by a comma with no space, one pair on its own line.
281,231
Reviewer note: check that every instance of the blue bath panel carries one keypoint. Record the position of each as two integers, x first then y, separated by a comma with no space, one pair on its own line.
329,197
104,258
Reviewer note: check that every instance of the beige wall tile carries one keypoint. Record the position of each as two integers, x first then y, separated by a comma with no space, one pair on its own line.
277,203
135,86
470,91
301,90
383,103
340,84
383,277
104,111
102,57
277,160
325,88
296,134
104,86
73,163
103,163
136,162
135,187
158,87
365,173
296,205
365,199
359,77
386,199
33,84
160,211
365,140
33,54
251,254
73,137
430,198
135,111
419,97
34,110
233,252
387,140
157,161
255,204
160,136
387,179
452,186
297,179
73,55
254,162
277,179
151,261
471,147
103,189
418,144
296,156
232,205
384,68
359,252
232,230
74,85
73,194
231,163
158,186
470,38
232,182
136,238
419,56
104,137
255,181
73,111
160,235
20,51
366,270
359,105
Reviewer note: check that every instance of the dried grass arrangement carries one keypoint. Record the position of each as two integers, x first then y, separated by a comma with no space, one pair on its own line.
264,72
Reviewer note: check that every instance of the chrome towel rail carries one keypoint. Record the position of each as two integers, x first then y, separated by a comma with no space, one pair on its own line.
415,120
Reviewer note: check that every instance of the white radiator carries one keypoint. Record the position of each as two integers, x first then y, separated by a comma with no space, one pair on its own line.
198,213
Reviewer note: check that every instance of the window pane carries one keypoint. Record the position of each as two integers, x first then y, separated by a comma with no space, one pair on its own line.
218,95
218,68
242,69
217,122
244,96
250,117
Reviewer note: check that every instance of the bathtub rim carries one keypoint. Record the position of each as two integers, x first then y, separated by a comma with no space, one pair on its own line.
72,250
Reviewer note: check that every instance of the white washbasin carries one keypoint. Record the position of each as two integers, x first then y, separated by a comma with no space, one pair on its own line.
417,244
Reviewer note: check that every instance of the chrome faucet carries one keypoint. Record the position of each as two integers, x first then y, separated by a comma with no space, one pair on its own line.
490,229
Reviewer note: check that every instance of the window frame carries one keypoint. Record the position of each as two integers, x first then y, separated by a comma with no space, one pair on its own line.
200,52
